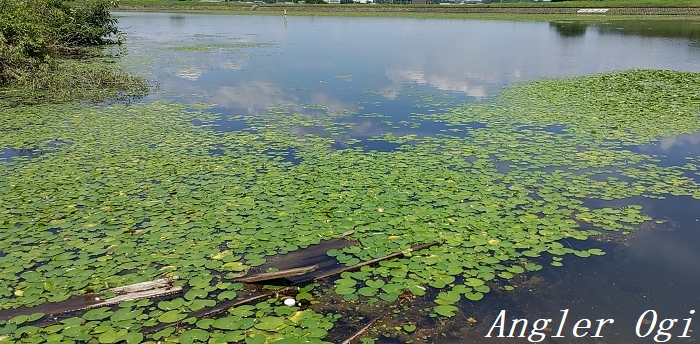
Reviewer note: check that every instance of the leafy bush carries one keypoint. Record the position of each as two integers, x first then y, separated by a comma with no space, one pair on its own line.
35,32
47,53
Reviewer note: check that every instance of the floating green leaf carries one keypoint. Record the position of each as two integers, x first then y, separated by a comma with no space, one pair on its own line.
445,310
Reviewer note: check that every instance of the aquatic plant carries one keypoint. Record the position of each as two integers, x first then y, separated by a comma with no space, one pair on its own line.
125,194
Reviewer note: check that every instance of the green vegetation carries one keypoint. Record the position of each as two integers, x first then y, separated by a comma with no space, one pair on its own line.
41,43
573,3
123,194
598,3
231,46
534,11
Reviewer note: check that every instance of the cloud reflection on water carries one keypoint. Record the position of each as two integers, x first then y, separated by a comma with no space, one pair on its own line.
468,84
390,55
681,140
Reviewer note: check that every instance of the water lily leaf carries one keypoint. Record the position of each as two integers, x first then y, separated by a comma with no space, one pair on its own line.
18,320
596,251
376,284
131,337
163,333
482,288
367,291
269,323
474,296
288,341
234,266
97,314
193,336
389,297
35,317
195,293
171,316
582,254
256,339
111,336
344,290
227,323
7,329
227,295
445,310
125,314
533,267
200,304
473,282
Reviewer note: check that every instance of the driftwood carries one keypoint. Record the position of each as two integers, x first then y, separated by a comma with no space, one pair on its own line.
373,261
138,291
224,306
277,274
220,307
365,328
149,285
164,287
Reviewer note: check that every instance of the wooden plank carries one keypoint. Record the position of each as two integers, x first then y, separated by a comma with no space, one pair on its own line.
137,295
155,284
138,291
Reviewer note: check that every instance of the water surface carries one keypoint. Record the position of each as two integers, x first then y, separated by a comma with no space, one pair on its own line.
383,73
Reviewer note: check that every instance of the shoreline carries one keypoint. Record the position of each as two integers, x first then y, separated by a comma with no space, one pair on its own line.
449,9
429,12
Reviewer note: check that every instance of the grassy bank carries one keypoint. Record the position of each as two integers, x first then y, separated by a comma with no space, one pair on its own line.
433,15
528,4
651,9
603,3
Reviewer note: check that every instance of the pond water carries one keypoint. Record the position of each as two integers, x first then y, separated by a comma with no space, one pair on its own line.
403,130
379,72
335,61
398,67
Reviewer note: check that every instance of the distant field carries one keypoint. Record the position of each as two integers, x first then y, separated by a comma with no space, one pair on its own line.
582,3
604,3
568,10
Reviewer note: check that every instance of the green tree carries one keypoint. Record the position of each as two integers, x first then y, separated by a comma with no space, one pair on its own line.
35,32
45,53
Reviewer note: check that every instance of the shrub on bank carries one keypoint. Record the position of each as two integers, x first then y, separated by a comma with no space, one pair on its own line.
37,36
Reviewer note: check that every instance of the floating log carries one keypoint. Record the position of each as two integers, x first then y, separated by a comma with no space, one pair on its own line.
137,291
144,290
266,276
138,295
224,306
369,262
164,287
143,286
220,307
312,255
365,328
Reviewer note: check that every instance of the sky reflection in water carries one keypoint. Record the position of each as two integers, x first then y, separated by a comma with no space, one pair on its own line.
356,66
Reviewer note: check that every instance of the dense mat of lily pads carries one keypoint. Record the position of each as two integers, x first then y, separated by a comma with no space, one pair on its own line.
125,194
